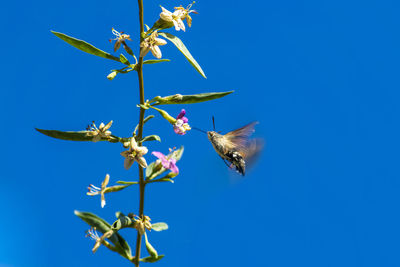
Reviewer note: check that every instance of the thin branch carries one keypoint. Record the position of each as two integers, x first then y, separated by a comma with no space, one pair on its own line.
142,183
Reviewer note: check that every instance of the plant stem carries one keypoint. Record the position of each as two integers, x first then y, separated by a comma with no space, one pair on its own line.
140,133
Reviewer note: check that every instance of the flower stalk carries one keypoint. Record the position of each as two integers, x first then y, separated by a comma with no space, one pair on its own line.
142,183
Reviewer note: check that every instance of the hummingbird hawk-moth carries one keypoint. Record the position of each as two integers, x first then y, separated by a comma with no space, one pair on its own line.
236,147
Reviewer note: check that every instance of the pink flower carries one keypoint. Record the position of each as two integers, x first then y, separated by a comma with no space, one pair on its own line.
181,125
167,163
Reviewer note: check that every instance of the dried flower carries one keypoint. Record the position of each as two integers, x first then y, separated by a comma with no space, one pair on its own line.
92,233
119,39
167,163
181,125
177,16
94,190
98,133
143,224
134,153
151,43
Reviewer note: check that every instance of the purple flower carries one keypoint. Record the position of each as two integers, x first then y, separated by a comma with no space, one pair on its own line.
181,125
167,163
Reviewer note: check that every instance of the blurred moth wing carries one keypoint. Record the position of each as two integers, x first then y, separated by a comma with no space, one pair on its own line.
236,146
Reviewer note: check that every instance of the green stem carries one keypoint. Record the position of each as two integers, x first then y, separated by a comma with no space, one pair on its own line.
142,183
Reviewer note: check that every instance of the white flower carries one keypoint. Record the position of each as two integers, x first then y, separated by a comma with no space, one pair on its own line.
94,190
100,132
134,153
151,43
178,16
92,233
175,18
119,39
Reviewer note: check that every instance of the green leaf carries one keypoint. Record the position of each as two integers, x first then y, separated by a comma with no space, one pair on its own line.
124,60
147,118
103,226
162,180
115,188
181,47
150,249
76,136
129,50
84,46
155,168
151,138
151,259
123,222
127,183
160,226
154,61
188,99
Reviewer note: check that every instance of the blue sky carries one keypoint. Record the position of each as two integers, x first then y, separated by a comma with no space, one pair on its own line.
321,77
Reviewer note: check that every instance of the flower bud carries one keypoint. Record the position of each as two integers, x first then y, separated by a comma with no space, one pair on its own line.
112,75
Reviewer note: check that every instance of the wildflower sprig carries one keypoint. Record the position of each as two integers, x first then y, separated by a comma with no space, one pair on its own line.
164,167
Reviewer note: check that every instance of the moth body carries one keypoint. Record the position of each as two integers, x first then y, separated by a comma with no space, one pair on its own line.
226,151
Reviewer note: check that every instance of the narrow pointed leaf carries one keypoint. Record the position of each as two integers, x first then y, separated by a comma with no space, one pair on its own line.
84,46
124,60
150,249
129,50
75,136
152,138
160,226
116,188
127,183
151,259
188,99
154,61
181,47
162,180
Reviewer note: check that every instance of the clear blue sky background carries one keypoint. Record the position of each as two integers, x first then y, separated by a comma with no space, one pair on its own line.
321,77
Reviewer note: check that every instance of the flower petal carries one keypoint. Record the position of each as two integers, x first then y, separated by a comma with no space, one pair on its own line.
142,150
103,201
117,45
159,41
181,114
176,25
144,50
180,24
128,163
108,125
166,15
133,144
125,153
142,161
155,50
174,168
158,155
105,182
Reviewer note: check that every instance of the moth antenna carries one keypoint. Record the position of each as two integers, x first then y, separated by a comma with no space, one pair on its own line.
213,123
200,130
